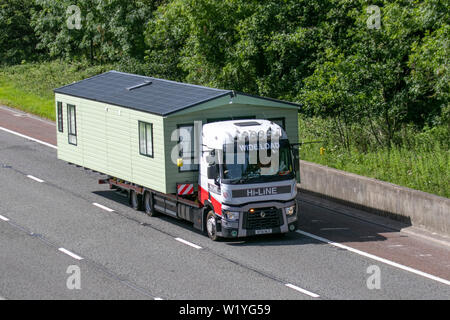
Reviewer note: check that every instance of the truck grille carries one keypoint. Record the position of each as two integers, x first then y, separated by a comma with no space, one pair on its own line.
263,218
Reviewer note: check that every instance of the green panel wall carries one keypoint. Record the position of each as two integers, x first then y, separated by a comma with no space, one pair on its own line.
148,172
212,111
66,151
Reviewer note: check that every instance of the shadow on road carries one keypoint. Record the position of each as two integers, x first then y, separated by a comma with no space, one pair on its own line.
313,219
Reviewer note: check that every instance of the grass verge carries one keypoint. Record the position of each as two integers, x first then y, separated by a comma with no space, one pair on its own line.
423,164
12,96
29,87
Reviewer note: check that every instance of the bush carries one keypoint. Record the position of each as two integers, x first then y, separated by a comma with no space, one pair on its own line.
421,160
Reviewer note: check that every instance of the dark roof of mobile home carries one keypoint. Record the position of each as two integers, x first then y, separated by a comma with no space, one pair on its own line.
157,96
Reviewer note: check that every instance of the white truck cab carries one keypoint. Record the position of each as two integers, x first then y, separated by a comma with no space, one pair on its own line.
247,179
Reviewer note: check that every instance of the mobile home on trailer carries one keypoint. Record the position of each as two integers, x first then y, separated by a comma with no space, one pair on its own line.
127,127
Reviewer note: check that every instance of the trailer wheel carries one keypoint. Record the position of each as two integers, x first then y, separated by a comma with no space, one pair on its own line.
135,200
148,204
211,226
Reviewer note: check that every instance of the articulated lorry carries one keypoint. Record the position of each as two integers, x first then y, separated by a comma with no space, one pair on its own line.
217,158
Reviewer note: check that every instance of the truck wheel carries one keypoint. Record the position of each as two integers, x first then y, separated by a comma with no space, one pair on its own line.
148,205
135,200
211,227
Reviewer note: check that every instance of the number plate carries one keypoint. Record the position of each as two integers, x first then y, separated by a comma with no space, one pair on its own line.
263,231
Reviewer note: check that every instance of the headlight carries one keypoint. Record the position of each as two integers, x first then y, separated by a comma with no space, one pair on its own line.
290,210
232,215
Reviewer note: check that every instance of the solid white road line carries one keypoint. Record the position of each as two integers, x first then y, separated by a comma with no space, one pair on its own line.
29,138
309,293
158,299
371,256
35,179
73,255
188,243
3,218
103,207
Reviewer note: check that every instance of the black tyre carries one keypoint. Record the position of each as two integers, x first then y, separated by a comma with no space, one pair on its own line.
211,226
148,205
135,200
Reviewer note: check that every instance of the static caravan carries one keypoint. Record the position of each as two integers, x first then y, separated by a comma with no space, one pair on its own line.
122,125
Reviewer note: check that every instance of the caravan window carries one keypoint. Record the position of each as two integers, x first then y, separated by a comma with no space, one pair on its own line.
60,117
187,151
146,139
72,124
279,121
230,118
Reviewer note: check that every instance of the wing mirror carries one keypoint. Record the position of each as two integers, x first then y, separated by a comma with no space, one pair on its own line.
213,171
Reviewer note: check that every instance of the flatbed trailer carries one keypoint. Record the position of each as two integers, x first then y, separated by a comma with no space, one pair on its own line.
153,202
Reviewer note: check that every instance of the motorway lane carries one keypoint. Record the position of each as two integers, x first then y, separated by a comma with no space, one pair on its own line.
143,255
148,256
27,124
410,250
32,268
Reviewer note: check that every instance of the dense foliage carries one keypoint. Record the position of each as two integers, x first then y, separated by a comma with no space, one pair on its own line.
17,38
100,31
321,54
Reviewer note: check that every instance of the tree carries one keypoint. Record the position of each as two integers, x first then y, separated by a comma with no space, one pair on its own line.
262,47
429,62
109,30
367,80
17,39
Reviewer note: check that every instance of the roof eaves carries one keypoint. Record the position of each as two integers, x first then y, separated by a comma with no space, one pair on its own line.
170,81
198,103
270,99
112,104
75,82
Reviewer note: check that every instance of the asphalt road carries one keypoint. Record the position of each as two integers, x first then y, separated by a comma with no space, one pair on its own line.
48,222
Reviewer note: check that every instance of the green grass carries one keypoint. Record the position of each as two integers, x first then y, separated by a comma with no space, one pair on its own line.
11,95
29,87
416,169
423,165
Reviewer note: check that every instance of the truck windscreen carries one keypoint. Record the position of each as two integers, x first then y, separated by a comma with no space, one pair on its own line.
245,169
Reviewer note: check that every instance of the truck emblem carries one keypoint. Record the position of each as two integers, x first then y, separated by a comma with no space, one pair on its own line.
258,192
263,214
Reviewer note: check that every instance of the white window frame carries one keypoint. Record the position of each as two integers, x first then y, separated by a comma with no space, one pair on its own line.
72,126
146,141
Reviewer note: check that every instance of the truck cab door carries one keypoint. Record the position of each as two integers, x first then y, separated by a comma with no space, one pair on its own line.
296,159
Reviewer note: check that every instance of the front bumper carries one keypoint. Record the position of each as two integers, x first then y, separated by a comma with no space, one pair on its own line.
238,229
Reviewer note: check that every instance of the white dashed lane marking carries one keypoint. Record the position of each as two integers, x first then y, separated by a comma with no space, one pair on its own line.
35,179
309,293
73,255
103,207
188,243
